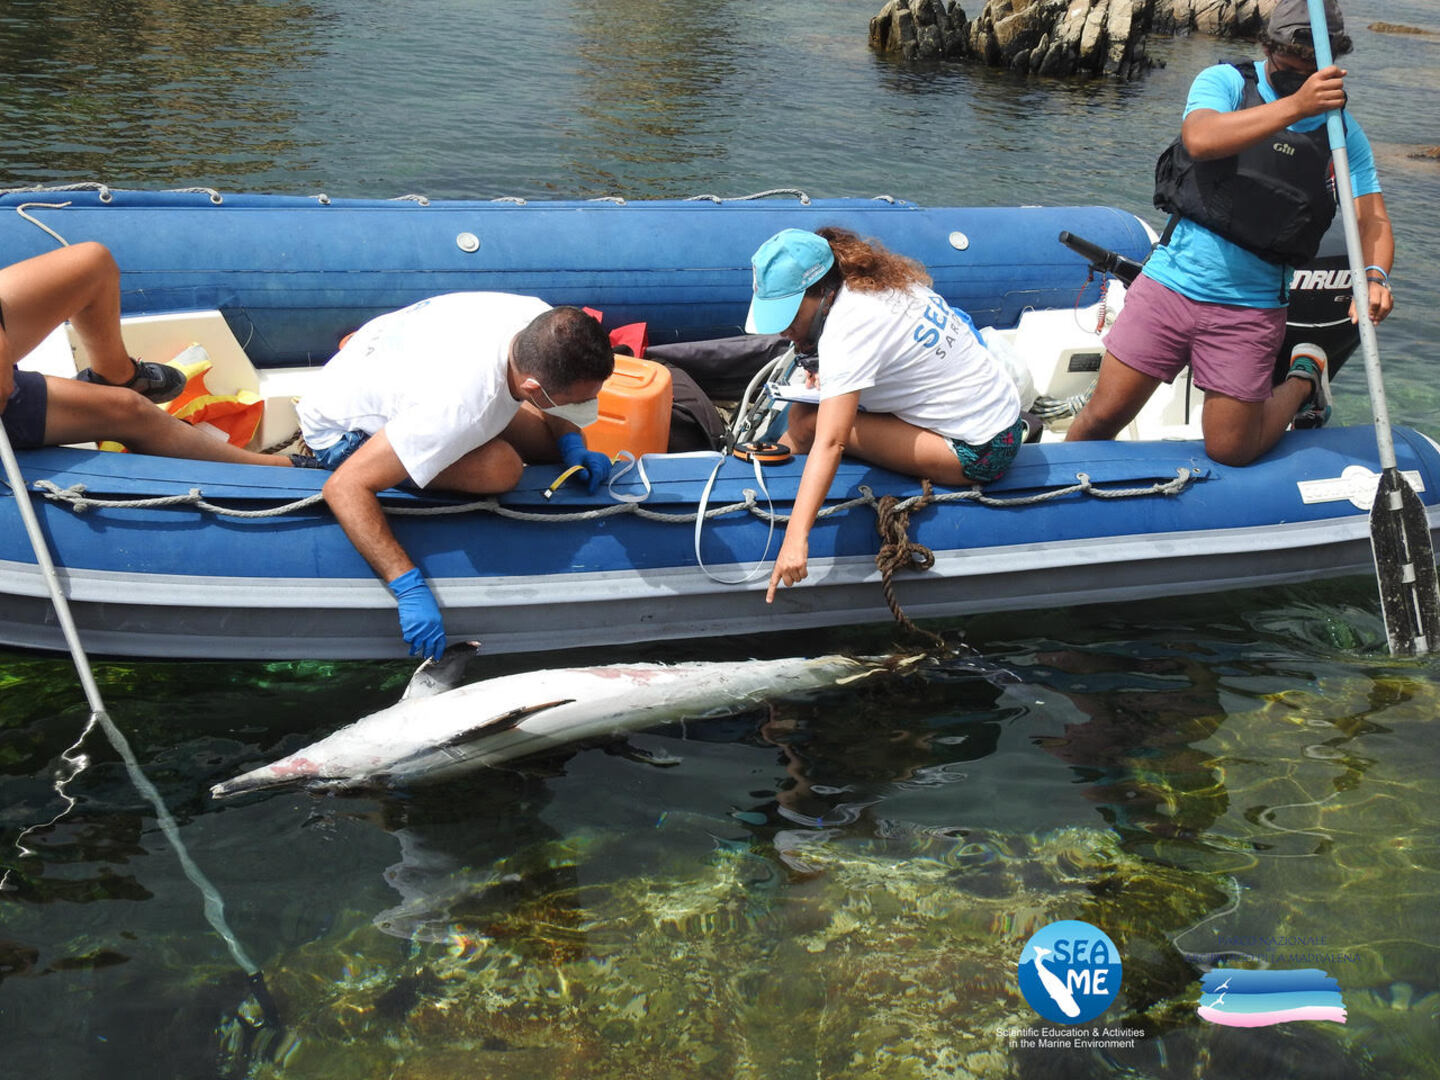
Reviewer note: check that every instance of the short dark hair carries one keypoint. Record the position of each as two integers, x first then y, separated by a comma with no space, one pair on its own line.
562,347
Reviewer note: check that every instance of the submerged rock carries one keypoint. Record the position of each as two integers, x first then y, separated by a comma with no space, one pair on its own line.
1397,28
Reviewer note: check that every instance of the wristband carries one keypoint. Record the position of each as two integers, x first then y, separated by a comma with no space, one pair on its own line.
1384,274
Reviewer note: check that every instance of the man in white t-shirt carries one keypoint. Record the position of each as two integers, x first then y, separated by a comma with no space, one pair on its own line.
456,392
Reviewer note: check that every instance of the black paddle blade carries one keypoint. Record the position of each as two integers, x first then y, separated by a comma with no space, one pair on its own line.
1405,566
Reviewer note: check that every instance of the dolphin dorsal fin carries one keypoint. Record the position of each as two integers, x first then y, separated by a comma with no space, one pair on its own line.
437,676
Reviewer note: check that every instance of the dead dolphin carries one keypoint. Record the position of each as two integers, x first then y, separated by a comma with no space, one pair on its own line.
437,731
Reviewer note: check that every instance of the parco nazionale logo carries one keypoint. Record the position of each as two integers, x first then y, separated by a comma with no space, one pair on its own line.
1237,997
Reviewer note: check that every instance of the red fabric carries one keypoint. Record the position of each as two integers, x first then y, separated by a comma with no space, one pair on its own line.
634,336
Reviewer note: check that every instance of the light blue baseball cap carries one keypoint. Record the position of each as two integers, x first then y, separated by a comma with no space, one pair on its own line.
785,266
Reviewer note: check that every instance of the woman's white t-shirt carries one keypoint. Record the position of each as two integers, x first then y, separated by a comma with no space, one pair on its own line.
432,375
912,355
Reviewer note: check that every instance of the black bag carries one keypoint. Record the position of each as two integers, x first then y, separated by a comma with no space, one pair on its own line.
695,423
721,367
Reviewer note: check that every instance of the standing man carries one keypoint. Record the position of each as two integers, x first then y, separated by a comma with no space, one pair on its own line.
1250,187
456,392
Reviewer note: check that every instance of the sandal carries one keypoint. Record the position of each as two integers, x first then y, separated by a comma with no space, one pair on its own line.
158,382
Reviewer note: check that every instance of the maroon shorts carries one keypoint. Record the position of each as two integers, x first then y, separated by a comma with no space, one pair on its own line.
1230,349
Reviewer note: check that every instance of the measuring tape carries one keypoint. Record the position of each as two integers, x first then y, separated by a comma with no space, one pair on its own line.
765,453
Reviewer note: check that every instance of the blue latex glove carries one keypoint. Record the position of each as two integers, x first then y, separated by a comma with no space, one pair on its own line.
420,622
596,464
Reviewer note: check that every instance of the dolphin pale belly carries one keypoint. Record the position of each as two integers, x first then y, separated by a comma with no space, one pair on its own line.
434,733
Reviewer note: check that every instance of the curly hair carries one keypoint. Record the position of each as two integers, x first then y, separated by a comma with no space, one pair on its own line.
866,266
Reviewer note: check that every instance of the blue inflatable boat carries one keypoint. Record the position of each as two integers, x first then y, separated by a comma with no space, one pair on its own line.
183,559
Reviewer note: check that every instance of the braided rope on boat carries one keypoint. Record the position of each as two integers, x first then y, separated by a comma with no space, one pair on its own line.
86,185
107,195
804,198
76,498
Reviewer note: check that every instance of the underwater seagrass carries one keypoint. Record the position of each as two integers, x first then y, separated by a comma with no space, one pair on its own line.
891,957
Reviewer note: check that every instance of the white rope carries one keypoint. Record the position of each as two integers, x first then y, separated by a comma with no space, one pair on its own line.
40,224
75,497
215,196
213,904
86,185
804,199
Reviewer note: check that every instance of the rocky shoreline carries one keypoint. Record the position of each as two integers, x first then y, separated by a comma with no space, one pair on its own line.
1061,37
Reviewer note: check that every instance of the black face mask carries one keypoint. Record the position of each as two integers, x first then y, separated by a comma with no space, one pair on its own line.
1285,81
808,347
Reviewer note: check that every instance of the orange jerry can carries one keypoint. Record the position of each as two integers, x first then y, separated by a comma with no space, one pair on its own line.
634,409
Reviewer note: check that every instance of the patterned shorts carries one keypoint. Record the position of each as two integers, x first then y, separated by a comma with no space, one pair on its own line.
989,461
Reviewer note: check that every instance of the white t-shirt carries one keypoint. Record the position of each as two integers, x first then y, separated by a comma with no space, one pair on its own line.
432,375
910,354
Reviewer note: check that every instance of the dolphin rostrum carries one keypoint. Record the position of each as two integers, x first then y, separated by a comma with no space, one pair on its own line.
437,731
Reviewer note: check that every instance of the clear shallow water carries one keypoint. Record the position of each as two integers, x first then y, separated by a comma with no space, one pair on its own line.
839,887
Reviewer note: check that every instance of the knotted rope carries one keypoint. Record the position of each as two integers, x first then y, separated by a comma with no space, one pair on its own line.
897,550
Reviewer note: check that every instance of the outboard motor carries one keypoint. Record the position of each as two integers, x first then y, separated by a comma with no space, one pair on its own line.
1319,297
1320,306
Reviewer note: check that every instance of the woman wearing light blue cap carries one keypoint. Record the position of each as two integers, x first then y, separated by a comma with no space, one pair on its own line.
935,403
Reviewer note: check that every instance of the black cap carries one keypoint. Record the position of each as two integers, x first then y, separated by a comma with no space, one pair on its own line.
1290,22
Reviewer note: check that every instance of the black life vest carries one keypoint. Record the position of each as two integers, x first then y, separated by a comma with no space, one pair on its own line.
1275,198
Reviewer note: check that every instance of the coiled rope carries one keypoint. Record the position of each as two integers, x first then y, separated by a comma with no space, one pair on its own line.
897,550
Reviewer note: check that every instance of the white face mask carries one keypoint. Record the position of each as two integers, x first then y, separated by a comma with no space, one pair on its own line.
581,414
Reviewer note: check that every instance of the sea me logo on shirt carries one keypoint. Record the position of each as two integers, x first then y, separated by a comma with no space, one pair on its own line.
938,324
1237,997
1070,972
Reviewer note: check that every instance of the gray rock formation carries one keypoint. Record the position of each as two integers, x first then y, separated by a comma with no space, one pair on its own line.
921,30
1218,18
1064,37
1056,37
